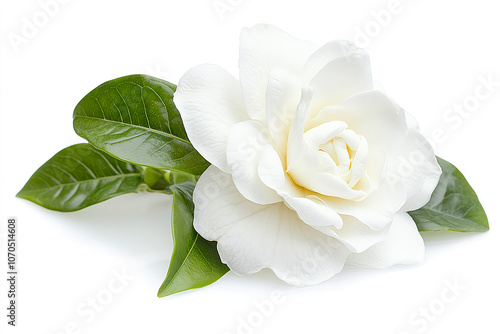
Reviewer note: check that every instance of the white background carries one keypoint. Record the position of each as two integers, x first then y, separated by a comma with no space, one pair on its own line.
429,56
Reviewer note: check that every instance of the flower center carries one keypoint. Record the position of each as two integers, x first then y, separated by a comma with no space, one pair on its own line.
332,161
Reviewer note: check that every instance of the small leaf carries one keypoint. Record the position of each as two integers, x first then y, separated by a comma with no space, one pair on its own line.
80,176
195,261
155,180
134,119
453,206
160,181
179,177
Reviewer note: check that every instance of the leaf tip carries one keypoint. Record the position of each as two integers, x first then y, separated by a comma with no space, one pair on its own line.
22,194
166,291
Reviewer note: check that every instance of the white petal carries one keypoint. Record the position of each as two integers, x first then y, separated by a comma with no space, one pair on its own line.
251,236
356,235
321,182
309,171
271,172
340,79
282,97
325,54
209,100
313,211
264,48
246,141
351,138
359,162
310,208
341,152
376,210
296,134
411,121
418,169
411,163
403,245
370,114
324,132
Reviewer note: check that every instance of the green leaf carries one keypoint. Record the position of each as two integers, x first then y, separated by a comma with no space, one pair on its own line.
195,261
80,176
453,206
134,119
155,180
160,181
179,177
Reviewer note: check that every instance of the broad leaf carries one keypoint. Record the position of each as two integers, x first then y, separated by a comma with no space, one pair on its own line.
454,206
79,176
195,261
134,119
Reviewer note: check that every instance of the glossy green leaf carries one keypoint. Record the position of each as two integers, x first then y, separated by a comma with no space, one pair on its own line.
195,261
159,180
179,177
80,176
156,181
134,119
454,205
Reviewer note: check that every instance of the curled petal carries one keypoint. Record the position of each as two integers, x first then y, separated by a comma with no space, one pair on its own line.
312,171
324,132
296,133
264,48
327,53
246,142
403,245
311,209
370,114
282,97
340,79
271,171
356,235
209,100
376,210
415,169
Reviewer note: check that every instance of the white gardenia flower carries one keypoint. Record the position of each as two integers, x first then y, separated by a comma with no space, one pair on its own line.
312,167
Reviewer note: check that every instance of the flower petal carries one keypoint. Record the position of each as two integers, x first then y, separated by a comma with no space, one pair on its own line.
264,48
369,114
340,79
296,133
311,209
246,141
358,164
324,132
417,168
403,245
282,98
251,237
356,235
376,210
325,54
209,100
311,171
271,172
411,163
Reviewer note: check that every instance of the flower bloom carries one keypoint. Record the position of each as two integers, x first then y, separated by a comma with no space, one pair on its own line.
312,167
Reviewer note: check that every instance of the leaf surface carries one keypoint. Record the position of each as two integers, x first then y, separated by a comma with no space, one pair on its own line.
195,261
80,176
134,119
453,206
